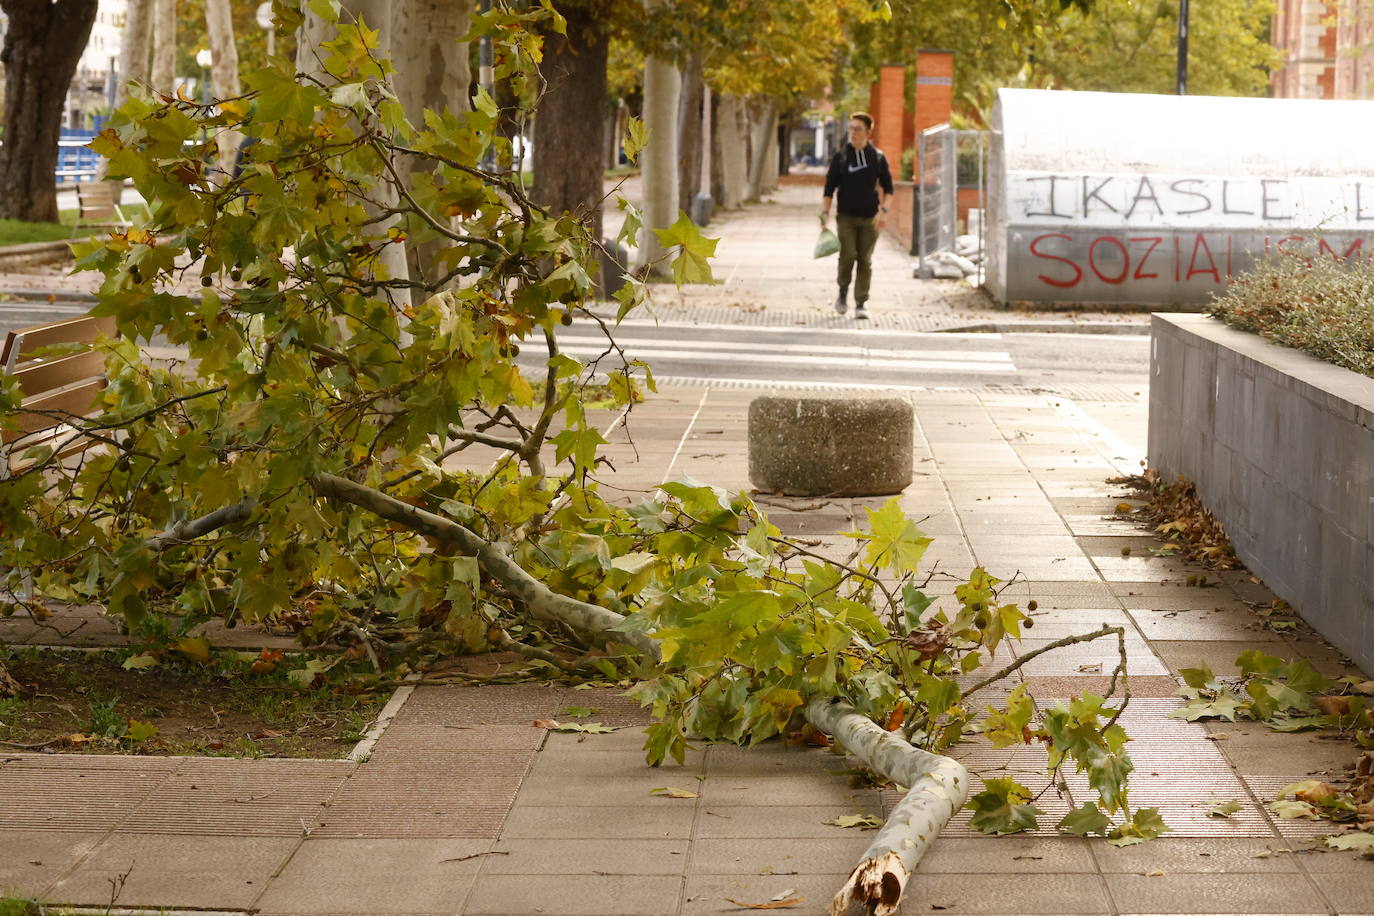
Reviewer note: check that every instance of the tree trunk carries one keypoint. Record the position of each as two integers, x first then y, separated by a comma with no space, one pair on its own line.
662,82
732,150
435,75
378,14
689,135
133,67
224,75
42,46
761,115
569,125
432,64
163,76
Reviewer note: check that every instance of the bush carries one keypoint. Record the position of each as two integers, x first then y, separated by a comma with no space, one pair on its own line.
1312,301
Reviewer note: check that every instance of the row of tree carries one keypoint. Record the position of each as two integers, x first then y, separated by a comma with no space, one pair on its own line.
714,78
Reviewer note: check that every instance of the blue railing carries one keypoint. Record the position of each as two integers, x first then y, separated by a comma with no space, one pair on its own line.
74,161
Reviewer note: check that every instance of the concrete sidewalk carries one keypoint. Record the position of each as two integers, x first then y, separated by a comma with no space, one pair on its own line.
463,806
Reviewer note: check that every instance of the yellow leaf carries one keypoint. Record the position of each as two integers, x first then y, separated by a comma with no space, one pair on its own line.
196,648
674,792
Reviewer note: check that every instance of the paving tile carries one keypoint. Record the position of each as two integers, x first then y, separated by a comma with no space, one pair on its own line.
709,894
786,789
781,821
535,856
176,871
1007,894
1219,655
574,895
1009,855
30,860
235,797
727,856
552,789
1215,893
651,821
1184,855
375,876
76,793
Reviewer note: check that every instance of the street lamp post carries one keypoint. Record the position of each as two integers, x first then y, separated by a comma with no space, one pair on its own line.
264,17
1182,47
203,60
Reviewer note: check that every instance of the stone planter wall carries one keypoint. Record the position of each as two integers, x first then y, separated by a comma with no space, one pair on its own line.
1281,447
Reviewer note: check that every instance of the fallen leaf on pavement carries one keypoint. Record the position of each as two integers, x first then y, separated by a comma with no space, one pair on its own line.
1154,874
863,821
546,723
1224,808
587,728
1360,842
769,905
674,792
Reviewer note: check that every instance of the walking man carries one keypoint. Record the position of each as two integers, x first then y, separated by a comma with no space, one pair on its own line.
860,174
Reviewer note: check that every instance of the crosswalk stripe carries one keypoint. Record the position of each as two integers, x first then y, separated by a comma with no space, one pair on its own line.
799,359
884,353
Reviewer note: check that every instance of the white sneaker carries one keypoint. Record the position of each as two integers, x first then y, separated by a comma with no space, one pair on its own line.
860,312
841,303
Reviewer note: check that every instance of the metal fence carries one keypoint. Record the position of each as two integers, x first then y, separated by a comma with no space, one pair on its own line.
947,160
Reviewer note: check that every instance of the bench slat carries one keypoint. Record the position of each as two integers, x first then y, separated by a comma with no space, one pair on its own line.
30,340
40,376
76,400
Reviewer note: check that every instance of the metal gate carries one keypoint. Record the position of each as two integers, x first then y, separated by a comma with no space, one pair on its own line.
947,160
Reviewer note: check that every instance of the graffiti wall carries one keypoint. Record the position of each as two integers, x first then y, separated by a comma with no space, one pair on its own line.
1167,198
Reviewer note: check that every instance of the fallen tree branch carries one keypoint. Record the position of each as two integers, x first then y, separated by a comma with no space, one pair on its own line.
937,788
190,529
540,599
1101,631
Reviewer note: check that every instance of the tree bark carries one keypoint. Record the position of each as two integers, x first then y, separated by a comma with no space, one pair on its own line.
662,83
689,134
163,75
937,788
42,46
435,75
133,66
224,75
432,64
761,116
570,123
732,151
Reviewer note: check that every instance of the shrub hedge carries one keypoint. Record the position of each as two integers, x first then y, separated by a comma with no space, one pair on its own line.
1309,300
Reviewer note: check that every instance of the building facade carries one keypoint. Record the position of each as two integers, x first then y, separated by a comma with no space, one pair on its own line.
1328,47
92,90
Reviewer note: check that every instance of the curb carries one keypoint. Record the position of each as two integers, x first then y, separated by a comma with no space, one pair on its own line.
1048,327
47,295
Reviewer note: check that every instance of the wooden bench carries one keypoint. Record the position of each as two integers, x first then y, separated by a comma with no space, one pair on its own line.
63,383
58,384
97,208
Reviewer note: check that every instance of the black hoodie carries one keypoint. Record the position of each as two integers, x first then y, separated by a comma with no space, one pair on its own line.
857,174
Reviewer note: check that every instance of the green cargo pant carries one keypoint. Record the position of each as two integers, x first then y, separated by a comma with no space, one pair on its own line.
858,236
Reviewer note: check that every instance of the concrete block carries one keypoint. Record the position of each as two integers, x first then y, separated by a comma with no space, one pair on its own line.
830,446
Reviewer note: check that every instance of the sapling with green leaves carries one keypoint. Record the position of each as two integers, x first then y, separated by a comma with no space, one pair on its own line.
302,461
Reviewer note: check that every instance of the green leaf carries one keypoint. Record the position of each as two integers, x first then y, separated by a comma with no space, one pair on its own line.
1085,820
1224,808
691,264
1003,807
1224,706
1145,824
140,731
862,821
1197,677
634,221
139,662
577,712
1009,727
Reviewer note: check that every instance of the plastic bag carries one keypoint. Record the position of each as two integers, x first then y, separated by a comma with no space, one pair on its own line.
827,244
